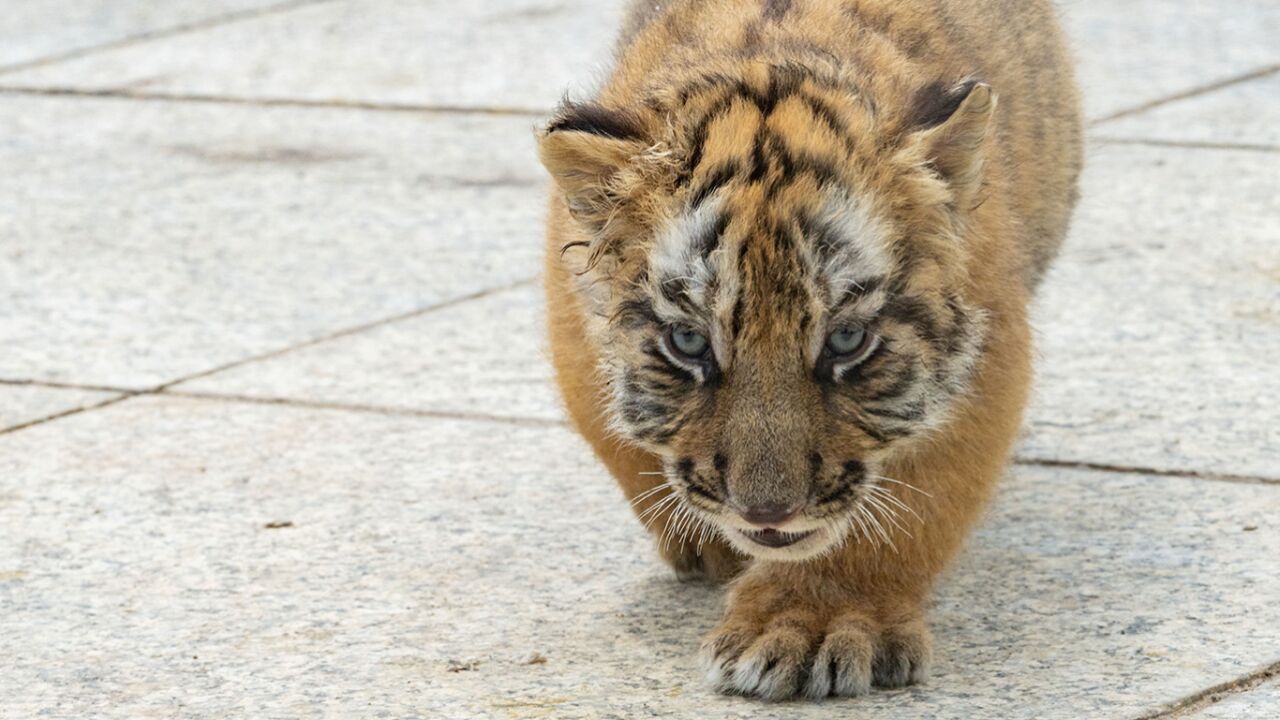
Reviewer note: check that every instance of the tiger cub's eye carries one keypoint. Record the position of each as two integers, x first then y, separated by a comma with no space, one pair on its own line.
687,342
846,341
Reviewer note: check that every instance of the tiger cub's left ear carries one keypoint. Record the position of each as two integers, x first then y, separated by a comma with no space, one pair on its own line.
950,125
585,148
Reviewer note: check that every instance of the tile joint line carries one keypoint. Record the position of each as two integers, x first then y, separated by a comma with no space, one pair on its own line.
1185,144
1138,470
1213,695
180,29
126,393
1196,91
271,102
164,390
345,332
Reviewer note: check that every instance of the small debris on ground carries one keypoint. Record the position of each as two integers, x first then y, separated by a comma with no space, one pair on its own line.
536,658
462,665
1250,528
278,524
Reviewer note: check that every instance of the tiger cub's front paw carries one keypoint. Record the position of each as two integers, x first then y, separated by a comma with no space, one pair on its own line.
814,652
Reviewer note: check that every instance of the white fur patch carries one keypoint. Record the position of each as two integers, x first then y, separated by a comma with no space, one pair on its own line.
676,255
864,252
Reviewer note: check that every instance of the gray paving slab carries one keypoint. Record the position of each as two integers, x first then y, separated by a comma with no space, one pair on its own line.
1247,114
1260,702
147,241
510,54
1134,52
527,53
21,404
193,558
483,357
1158,326
31,31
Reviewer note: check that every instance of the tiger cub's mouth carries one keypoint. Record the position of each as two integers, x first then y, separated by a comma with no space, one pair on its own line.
775,538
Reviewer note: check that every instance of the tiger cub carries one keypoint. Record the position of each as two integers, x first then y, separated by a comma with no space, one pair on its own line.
790,250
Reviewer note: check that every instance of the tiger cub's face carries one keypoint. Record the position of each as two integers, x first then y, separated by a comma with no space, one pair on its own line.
773,274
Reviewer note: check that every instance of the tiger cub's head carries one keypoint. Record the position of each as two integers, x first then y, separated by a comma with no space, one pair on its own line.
773,271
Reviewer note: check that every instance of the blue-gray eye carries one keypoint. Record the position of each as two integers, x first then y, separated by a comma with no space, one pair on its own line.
846,341
687,342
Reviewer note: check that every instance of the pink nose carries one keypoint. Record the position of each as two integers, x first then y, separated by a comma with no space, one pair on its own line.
767,514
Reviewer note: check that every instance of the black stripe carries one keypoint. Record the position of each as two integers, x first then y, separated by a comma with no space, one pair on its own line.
709,241
859,289
914,312
699,490
913,412
674,289
662,365
723,173
880,435
784,81
840,492
698,138
759,164
635,313
904,382
831,119
853,471
822,169
774,10
825,242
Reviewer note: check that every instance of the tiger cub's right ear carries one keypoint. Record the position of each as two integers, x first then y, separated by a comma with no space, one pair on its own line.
585,148
950,124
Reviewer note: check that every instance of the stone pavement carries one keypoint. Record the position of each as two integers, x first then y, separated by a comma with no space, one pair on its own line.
277,438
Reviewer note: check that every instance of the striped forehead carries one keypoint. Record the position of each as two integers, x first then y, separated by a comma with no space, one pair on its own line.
737,256
686,263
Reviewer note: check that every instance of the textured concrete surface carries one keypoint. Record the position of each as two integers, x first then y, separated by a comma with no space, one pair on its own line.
1160,325
40,32
1142,51
144,242
1245,114
346,492
519,54
514,54
485,357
